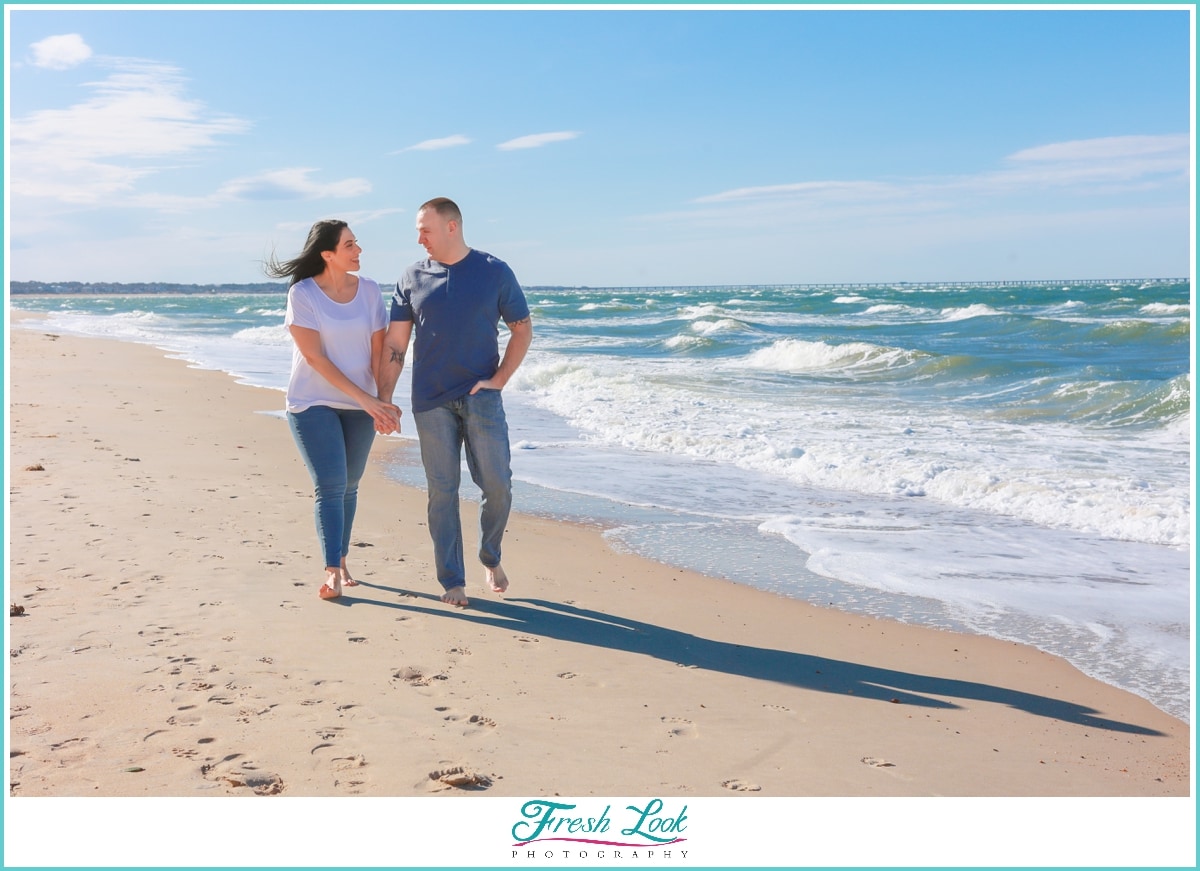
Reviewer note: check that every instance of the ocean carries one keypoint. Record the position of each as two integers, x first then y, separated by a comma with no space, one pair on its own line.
1006,459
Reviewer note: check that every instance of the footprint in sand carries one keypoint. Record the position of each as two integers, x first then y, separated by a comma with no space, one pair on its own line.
458,777
354,763
779,708
479,720
245,715
245,776
741,786
71,750
416,677
877,763
680,728
348,763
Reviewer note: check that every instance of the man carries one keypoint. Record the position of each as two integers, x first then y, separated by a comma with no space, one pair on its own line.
454,300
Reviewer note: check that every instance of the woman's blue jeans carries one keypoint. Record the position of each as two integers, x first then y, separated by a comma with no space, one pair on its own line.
477,423
335,444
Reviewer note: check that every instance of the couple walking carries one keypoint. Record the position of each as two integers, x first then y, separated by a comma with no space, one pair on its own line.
349,353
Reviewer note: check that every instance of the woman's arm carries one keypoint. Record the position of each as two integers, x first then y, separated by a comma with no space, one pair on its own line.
308,341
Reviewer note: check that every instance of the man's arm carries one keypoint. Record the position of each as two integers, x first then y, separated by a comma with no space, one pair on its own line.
391,358
519,339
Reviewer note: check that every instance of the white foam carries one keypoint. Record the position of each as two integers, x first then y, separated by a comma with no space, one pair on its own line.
795,355
1159,308
864,444
978,310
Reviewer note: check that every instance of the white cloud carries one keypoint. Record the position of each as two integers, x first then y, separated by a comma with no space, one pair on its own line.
1086,167
537,140
438,144
60,52
810,190
1101,164
290,183
1110,148
99,148
355,218
293,183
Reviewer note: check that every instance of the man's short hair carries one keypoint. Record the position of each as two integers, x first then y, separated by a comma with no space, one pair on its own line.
446,208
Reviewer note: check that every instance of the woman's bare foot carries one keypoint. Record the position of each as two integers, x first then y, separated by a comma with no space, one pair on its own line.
347,581
496,579
332,588
456,596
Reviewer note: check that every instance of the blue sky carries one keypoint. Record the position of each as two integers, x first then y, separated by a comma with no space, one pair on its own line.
605,147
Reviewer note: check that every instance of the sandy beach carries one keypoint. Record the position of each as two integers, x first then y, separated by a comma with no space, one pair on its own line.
171,644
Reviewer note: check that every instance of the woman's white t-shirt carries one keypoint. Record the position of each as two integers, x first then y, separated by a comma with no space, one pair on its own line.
346,330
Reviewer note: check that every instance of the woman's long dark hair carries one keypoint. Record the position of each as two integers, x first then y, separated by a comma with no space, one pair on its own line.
324,236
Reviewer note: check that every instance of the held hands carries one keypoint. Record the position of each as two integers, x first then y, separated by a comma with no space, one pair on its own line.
386,415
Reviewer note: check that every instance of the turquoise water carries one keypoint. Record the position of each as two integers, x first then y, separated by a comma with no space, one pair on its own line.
1013,460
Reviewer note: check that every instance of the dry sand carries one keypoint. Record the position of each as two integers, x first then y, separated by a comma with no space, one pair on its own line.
172,644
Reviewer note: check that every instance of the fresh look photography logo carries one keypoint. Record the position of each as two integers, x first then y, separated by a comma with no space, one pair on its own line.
556,830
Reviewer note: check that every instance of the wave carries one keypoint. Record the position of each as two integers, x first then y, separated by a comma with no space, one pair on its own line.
797,356
875,447
1121,404
977,310
136,326
614,305
720,325
276,335
1141,331
1162,308
688,343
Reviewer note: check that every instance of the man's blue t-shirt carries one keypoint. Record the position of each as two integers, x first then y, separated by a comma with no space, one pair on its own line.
456,312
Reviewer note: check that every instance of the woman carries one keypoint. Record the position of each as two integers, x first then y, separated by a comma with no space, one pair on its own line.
337,320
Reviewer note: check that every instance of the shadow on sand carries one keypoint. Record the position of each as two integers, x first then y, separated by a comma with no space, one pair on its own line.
568,623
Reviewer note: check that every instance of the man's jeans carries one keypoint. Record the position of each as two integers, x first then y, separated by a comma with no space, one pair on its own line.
477,423
335,444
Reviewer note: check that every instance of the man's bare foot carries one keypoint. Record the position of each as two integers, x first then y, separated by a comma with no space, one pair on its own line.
456,596
332,588
497,581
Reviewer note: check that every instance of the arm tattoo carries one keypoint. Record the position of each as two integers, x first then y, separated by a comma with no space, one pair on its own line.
517,323
397,357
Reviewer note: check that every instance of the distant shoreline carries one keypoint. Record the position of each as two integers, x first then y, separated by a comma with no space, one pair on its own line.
80,288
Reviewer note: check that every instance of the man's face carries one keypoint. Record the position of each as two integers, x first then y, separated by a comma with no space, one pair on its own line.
433,234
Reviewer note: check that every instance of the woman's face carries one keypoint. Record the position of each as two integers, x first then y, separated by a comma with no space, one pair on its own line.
345,256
